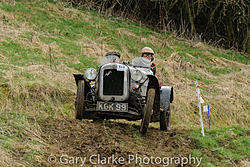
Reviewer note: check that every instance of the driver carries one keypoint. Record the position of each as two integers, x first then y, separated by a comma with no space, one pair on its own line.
148,53
113,57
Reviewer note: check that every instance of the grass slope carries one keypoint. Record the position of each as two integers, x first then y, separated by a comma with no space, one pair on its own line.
43,43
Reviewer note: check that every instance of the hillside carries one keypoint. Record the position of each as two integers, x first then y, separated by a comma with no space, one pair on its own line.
43,43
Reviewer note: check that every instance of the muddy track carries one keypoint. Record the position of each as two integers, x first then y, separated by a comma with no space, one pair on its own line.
74,138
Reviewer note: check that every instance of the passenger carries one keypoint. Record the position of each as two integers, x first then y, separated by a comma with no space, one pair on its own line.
148,53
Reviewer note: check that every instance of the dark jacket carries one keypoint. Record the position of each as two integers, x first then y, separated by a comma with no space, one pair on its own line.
153,68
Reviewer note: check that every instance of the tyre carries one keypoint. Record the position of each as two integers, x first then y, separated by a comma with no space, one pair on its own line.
165,119
80,100
147,111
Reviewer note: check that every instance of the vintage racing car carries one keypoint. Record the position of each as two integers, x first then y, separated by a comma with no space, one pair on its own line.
123,91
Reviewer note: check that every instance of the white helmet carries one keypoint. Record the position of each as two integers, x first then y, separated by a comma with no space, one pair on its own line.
147,50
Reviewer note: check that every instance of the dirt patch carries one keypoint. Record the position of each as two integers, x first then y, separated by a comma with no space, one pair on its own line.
85,138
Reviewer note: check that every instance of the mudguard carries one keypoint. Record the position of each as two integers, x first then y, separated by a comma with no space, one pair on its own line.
80,77
166,96
153,83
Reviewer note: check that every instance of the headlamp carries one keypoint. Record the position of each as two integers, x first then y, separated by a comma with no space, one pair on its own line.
136,75
90,73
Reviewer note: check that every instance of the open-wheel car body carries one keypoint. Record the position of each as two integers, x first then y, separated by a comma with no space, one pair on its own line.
123,91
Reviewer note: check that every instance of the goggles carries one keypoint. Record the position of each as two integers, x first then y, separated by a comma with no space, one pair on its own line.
147,55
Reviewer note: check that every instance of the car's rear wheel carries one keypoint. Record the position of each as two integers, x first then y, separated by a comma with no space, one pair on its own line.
165,119
80,100
147,111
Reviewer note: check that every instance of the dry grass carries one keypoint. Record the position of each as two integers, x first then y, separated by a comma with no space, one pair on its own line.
44,94
92,48
228,96
20,140
245,163
7,160
127,32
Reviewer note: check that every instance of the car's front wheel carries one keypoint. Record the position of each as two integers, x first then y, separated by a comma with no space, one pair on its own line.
80,100
148,108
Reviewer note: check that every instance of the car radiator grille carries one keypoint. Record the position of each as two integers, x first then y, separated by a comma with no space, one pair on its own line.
113,82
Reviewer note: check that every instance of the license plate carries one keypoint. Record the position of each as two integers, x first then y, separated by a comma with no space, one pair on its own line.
108,106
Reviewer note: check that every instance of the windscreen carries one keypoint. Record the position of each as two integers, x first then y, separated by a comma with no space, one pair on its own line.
141,62
110,59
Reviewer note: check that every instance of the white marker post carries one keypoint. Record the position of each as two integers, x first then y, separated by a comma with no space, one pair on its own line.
206,109
199,105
